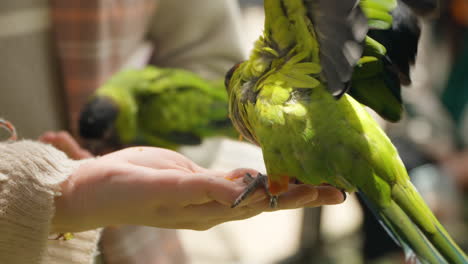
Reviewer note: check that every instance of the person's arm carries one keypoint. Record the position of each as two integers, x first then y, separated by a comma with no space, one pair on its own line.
43,192
202,36
162,188
30,175
170,186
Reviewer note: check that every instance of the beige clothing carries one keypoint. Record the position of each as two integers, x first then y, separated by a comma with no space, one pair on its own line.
202,36
30,174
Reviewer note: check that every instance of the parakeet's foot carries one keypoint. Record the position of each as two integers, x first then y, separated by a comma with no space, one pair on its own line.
273,201
252,185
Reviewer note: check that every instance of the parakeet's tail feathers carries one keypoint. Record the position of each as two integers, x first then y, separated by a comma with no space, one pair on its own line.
381,93
416,230
401,42
377,84
341,27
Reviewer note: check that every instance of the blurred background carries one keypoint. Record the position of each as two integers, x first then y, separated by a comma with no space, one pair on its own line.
432,139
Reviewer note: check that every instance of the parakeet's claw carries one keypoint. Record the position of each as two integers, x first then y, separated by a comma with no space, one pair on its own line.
252,185
273,201
248,179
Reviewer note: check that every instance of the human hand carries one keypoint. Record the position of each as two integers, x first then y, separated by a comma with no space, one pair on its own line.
65,142
162,188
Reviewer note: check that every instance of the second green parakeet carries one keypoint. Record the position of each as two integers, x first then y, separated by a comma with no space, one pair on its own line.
156,106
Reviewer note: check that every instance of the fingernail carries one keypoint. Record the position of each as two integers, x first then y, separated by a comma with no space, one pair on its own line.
345,196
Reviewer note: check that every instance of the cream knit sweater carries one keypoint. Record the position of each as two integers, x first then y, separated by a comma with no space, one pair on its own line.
30,174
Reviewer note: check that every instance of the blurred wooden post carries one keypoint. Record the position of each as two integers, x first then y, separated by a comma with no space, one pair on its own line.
311,244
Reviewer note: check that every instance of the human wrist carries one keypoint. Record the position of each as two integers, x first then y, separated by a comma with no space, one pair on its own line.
60,221
67,216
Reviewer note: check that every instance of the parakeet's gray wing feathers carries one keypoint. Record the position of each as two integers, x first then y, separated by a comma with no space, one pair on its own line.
341,28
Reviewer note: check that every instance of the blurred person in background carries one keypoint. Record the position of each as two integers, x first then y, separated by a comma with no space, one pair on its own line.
59,52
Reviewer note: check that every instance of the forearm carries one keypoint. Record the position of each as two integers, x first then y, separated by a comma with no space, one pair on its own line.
30,175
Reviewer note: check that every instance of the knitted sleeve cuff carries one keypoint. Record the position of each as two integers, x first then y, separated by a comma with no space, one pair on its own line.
30,175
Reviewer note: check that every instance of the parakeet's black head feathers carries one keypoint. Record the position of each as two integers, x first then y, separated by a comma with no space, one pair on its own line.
97,118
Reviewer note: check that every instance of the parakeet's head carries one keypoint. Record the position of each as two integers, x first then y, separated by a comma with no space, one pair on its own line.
109,119
97,118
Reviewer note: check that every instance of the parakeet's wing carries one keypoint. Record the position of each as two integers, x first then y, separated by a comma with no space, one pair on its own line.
401,41
390,50
341,27
375,84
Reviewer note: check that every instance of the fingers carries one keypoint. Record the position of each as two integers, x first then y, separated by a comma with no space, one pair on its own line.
66,143
300,196
310,196
327,195
158,158
214,213
236,184
213,185
205,200
240,173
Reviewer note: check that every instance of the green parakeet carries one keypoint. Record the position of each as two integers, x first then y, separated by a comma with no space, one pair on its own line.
158,107
300,97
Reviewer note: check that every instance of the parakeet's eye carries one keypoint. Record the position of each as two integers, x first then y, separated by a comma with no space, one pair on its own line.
228,76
